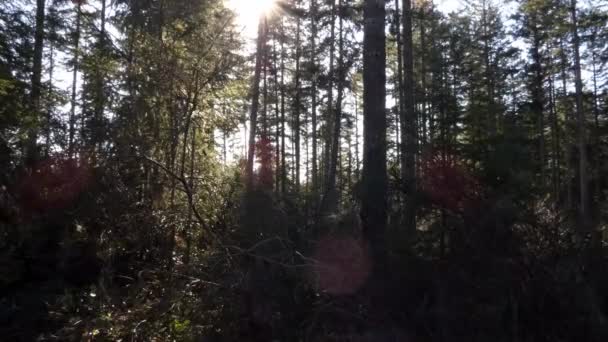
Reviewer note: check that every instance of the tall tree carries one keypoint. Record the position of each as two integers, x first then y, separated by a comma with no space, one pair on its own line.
314,69
75,63
331,196
255,101
297,101
374,178
329,114
408,123
36,79
581,124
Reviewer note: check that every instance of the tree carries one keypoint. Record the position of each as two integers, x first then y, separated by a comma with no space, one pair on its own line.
36,79
297,101
75,65
314,70
585,214
374,176
330,199
255,100
408,123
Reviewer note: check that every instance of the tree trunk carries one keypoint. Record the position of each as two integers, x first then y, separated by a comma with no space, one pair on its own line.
330,98
255,103
278,119
50,107
556,155
538,96
492,120
331,199
191,184
585,215
401,97
282,87
596,107
31,150
100,79
313,52
569,148
357,157
265,85
374,179
296,109
72,118
408,125
423,114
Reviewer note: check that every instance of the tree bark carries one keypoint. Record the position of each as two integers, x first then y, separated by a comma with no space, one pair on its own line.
100,79
255,103
374,178
538,95
331,199
585,215
313,40
296,109
408,124
72,118
31,151
330,96
569,148
401,97
282,87
278,118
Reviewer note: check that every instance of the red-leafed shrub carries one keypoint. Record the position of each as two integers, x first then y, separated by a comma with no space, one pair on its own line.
448,184
53,184
342,265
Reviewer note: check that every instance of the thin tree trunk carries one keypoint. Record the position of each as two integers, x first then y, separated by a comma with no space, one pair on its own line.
255,102
408,125
313,38
423,103
331,199
330,96
401,97
72,118
31,150
282,86
492,126
191,184
100,79
278,121
585,214
596,107
296,110
538,97
50,108
555,164
357,157
569,147
265,86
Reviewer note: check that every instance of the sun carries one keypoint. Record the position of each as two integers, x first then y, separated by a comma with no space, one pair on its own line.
249,12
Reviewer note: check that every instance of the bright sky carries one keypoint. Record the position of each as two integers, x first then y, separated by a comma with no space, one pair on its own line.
248,11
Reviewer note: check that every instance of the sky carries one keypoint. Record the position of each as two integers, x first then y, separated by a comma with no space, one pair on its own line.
248,11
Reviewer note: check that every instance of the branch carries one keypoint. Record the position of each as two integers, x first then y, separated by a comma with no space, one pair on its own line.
188,191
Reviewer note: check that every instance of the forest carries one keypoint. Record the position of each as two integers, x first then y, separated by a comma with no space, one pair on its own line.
304,170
